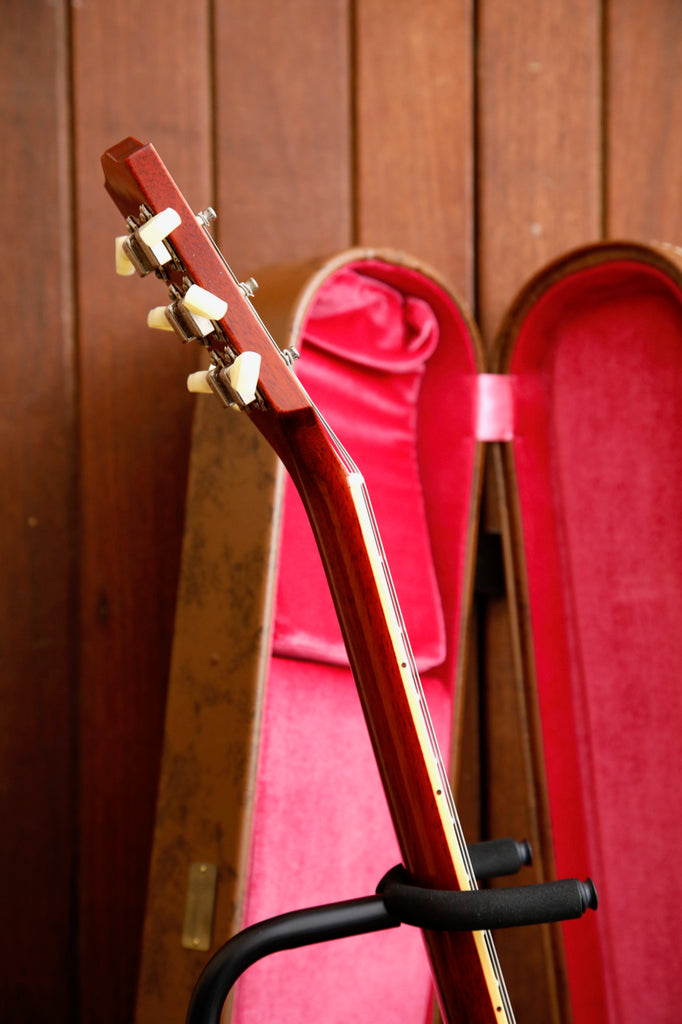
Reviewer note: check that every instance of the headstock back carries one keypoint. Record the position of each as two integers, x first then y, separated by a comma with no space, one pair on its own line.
207,303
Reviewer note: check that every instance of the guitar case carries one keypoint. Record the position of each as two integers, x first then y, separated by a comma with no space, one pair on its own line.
269,798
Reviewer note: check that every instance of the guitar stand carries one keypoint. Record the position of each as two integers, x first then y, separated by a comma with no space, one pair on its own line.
398,902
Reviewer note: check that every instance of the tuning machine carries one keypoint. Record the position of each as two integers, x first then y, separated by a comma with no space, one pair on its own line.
192,315
234,384
145,248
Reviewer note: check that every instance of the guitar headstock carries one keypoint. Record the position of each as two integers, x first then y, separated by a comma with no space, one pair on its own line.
206,302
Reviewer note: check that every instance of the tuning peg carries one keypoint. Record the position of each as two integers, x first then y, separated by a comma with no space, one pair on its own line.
124,267
249,287
198,383
159,227
157,318
201,302
243,374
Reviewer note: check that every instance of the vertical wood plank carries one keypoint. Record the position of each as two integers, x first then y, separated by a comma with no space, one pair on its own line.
644,104
539,192
414,132
282,130
149,78
37,540
539,131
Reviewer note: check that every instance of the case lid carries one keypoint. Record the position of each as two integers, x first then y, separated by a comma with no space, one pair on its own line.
594,478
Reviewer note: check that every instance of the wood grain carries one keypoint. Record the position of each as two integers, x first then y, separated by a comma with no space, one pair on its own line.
282,118
38,536
135,422
644,97
414,132
539,136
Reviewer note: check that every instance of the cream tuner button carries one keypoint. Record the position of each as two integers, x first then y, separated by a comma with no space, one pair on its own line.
243,375
157,318
200,302
198,383
123,265
159,227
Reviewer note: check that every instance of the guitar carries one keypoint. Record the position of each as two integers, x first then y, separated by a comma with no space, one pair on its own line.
249,371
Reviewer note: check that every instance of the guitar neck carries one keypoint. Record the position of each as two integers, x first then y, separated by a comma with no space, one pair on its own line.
166,238
465,966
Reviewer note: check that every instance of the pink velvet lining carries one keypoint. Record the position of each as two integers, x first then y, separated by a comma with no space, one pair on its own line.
389,359
598,452
365,347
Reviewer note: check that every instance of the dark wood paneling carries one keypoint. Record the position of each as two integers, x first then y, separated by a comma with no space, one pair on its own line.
282,130
414,132
37,454
140,71
539,193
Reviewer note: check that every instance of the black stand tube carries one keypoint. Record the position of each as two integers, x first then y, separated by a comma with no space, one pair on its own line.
288,931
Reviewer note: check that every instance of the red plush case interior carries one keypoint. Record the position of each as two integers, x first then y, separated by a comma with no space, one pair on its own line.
594,352
384,348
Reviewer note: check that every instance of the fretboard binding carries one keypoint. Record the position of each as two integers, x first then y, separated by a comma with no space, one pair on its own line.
399,634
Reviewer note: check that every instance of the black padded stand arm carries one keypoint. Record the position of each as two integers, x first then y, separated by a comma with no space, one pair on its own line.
482,909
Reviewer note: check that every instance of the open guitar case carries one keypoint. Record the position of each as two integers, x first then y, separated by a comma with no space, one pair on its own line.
269,797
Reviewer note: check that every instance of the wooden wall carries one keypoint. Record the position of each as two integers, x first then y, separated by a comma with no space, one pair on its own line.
484,136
